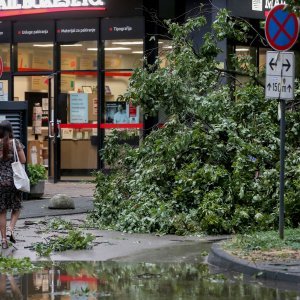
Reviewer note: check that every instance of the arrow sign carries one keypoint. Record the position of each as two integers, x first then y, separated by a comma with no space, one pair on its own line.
280,63
288,65
280,71
271,64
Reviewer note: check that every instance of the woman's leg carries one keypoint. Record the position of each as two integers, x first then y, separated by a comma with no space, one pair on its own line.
3,224
2,285
14,287
14,218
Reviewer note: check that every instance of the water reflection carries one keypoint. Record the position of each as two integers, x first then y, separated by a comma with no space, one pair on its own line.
112,280
10,287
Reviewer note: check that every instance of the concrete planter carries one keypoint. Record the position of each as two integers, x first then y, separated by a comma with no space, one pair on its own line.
37,190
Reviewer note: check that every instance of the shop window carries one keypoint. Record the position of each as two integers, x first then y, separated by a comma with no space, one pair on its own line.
5,55
120,116
118,112
164,47
79,100
121,57
79,56
262,58
34,90
123,54
245,52
24,84
35,57
3,90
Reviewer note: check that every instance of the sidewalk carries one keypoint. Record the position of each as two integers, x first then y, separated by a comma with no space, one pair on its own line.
108,245
80,192
118,246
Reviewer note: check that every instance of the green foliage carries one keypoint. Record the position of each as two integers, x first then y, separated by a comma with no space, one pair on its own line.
74,240
36,173
265,241
59,224
10,265
214,166
294,6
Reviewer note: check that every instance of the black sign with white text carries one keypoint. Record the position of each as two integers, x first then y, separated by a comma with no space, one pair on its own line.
34,32
77,30
122,28
5,32
254,9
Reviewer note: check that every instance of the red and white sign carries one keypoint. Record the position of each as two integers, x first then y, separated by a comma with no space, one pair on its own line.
132,110
26,7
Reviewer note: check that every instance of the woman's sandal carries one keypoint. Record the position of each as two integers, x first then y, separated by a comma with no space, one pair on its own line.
11,236
4,244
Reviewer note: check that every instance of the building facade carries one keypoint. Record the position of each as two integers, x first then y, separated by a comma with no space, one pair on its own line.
70,60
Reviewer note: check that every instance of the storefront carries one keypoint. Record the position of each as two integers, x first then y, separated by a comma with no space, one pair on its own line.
70,61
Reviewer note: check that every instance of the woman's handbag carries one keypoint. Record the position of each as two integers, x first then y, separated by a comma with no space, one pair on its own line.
21,179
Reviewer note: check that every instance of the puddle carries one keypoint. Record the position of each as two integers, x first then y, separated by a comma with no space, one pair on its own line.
184,251
147,281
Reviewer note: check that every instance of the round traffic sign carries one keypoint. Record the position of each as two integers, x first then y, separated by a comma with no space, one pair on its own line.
282,28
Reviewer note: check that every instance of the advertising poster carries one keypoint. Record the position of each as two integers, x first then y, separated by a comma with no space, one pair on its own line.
3,89
133,113
116,113
79,108
121,113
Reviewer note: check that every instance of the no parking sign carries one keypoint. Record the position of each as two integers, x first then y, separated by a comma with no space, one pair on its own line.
282,28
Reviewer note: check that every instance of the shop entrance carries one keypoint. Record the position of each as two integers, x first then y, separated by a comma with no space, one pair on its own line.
72,84
54,133
71,155
42,129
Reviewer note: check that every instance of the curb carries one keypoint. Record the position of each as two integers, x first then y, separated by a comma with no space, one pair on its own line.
219,257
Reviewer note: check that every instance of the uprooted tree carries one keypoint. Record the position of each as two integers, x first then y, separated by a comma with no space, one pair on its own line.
214,165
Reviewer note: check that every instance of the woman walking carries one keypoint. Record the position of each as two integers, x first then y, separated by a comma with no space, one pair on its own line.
10,197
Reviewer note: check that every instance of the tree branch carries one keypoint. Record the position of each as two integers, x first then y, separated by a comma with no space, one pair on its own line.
234,72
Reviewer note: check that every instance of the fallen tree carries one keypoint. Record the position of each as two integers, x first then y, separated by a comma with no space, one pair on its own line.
214,166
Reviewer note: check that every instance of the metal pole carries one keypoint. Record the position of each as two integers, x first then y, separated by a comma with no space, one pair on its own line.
282,157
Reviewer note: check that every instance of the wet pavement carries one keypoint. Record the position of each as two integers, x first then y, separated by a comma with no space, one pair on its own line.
73,189
108,245
130,249
81,193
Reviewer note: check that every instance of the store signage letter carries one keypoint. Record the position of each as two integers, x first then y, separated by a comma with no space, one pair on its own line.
28,4
272,3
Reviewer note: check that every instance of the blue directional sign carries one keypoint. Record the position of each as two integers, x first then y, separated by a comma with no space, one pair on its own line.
282,28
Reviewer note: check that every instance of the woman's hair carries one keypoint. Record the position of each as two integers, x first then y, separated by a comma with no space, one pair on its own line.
6,133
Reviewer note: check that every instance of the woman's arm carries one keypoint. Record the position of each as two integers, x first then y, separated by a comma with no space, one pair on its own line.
22,157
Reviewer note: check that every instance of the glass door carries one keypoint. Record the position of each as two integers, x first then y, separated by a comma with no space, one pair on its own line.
77,109
54,133
37,91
